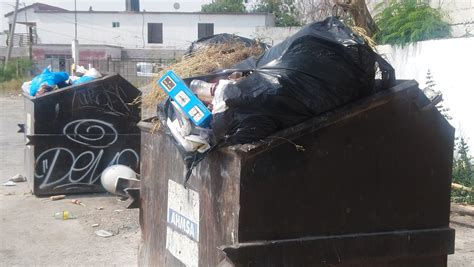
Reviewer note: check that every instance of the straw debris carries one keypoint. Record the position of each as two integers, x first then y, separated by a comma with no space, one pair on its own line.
201,62
363,33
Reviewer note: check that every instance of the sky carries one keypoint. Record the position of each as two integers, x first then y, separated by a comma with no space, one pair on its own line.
103,5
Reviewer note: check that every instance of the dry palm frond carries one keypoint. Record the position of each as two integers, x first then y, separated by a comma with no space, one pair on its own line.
363,33
204,61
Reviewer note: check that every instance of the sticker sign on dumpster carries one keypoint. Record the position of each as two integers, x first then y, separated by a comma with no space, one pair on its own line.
189,103
182,231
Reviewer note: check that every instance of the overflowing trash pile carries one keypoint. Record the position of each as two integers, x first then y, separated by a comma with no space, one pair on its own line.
49,81
207,55
223,38
321,67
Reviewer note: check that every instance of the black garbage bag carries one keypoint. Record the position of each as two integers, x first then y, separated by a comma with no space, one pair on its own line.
223,38
321,67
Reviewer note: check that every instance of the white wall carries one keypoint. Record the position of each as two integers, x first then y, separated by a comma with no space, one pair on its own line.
24,16
274,35
3,39
179,29
458,11
451,64
105,5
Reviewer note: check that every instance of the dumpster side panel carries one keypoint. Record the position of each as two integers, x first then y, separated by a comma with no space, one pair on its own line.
218,181
384,169
215,182
365,185
394,248
161,163
29,150
153,196
81,130
108,99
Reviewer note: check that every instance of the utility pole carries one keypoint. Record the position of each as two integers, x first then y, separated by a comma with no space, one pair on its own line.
12,33
75,43
30,36
75,20
30,42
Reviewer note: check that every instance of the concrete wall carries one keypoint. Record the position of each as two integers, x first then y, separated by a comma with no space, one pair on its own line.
451,64
274,35
16,52
3,39
457,11
179,29
151,54
87,52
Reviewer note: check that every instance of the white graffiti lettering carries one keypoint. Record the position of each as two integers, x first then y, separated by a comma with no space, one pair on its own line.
65,168
91,132
61,167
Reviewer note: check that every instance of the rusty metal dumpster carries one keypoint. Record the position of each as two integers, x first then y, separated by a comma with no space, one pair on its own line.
367,184
74,133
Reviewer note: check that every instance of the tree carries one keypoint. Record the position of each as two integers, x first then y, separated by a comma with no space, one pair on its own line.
224,6
462,169
284,10
431,92
463,173
314,10
408,21
360,15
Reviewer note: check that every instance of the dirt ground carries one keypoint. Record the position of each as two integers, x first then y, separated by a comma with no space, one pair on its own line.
30,236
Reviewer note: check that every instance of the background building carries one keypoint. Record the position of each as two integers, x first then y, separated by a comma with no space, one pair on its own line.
131,28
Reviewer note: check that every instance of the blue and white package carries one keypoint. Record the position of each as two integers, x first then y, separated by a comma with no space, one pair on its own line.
186,99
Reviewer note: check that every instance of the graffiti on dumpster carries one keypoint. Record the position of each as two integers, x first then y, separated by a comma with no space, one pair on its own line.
106,100
61,167
91,132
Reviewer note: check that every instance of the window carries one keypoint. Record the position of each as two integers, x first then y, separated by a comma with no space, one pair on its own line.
58,62
205,30
155,33
115,24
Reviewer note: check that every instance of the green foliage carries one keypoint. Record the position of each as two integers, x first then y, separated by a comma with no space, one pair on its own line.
12,85
224,6
408,21
284,11
16,69
463,173
431,92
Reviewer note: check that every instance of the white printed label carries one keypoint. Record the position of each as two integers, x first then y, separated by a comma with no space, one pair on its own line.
182,231
182,98
196,113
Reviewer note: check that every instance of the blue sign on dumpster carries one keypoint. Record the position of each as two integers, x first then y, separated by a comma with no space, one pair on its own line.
187,101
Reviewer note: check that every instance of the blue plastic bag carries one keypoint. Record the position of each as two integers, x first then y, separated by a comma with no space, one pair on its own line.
50,78
83,79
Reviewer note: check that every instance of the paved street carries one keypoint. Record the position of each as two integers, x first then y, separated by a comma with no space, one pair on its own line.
30,236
